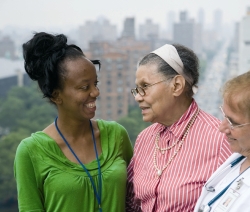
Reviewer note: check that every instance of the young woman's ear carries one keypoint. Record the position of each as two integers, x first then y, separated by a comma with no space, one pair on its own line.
56,97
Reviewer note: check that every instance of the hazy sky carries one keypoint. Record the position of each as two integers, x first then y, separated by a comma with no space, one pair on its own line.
71,13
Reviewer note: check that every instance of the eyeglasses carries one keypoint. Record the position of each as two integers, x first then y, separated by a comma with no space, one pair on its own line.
141,90
232,126
97,64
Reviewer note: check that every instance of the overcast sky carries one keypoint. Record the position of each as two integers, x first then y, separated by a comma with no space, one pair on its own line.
71,13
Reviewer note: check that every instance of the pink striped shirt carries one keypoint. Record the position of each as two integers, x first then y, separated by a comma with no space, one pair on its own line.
203,151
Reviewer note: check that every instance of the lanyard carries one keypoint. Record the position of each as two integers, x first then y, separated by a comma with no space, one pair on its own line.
231,165
236,161
99,193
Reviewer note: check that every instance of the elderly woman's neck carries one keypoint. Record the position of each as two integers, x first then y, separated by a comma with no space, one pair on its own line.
179,108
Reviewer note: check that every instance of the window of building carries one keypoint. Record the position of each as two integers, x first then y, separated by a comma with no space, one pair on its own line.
119,90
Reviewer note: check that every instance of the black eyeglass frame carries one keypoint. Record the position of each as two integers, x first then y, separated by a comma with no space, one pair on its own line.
141,90
97,62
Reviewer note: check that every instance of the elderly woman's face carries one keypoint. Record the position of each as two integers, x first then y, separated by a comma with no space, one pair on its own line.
157,99
238,137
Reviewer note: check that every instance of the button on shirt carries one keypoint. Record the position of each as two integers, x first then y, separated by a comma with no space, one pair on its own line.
203,151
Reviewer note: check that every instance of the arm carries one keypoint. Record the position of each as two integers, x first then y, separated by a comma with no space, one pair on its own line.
30,197
131,206
127,149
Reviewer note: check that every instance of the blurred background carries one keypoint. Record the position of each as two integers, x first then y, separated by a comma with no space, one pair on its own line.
119,33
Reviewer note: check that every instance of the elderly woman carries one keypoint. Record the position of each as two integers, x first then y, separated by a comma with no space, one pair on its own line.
228,189
174,157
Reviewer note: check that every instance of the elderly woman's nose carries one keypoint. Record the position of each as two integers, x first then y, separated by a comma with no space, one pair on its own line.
138,97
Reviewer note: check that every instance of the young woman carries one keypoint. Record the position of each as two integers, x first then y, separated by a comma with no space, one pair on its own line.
75,163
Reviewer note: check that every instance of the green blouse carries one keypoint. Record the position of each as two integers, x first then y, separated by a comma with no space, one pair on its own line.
48,181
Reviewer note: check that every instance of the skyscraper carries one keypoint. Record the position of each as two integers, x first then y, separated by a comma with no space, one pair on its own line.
217,20
244,43
188,33
129,28
148,30
100,30
201,17
170,21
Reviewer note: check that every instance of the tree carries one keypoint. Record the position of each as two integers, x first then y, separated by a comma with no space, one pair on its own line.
8,145
25,107
23,112
133,122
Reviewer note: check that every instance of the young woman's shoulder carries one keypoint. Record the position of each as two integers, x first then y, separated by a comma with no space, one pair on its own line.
110,124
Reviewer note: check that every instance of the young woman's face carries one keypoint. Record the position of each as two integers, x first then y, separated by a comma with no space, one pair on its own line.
239,137
156,104
79,90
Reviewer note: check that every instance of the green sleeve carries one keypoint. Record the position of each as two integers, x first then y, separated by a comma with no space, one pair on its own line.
127,148
30,197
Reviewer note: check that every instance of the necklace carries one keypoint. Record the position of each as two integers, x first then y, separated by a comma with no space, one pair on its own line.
99,193
160,171
163,150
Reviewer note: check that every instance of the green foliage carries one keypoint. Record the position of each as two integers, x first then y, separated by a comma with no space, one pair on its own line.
22,112
25,108
8,145
133,122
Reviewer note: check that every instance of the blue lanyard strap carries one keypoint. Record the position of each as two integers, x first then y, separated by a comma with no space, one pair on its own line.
237,160
97,194
225,189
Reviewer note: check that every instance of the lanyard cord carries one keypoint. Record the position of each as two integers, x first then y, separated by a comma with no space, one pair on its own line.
225,189
231,165
97,194
237,160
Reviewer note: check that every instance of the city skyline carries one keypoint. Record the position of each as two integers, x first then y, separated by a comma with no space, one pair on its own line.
70,14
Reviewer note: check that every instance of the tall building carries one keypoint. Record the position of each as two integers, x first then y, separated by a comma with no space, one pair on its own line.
217,20
148,30
170,21
7,48
236,37
117,76
134,50
12,73
201,17
188,33
212,36
100,30
244,43
218,24
129,28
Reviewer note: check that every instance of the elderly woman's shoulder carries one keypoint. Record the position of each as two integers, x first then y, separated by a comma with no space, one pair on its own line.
208,120
151,129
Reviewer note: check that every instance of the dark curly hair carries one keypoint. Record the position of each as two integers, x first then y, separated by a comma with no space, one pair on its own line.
190,62
44,57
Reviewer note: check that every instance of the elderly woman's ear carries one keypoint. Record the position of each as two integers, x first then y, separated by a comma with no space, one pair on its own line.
178,85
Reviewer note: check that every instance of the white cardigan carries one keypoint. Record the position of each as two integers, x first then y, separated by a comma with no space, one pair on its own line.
242,204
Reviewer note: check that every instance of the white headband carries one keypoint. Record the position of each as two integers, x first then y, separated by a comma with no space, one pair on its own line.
170,55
